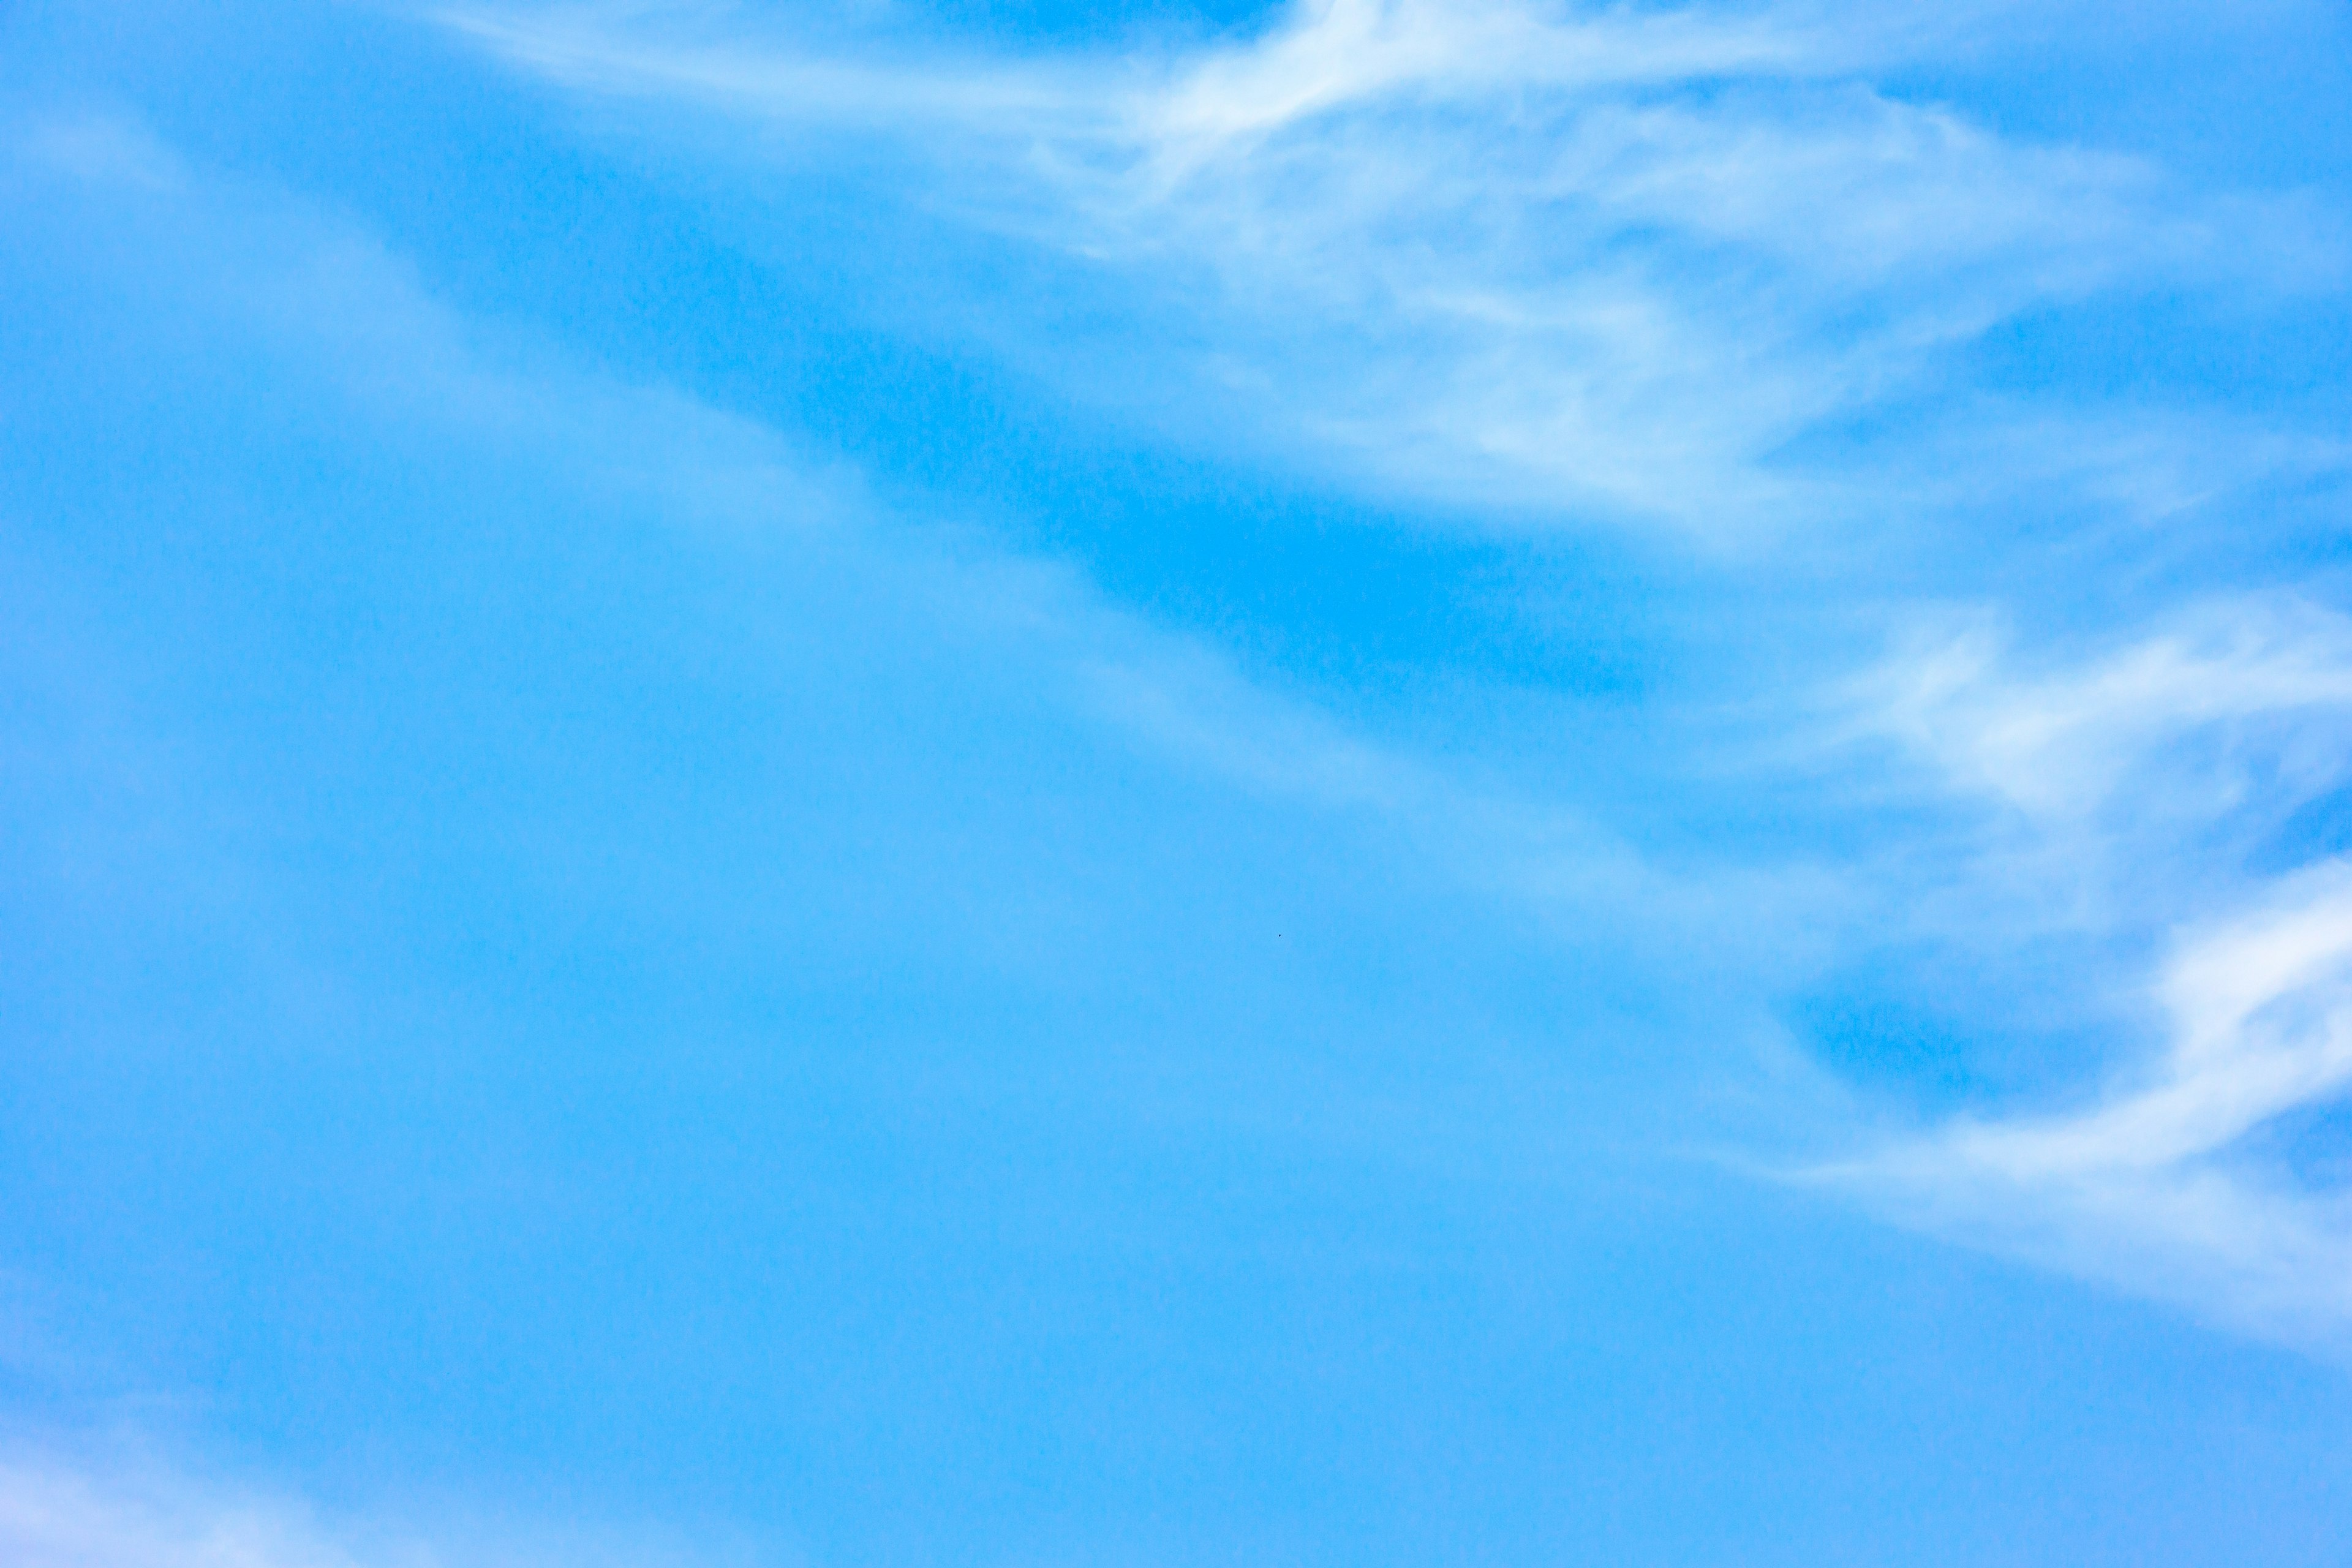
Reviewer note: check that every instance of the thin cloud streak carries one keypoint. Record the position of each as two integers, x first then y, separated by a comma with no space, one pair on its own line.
2154,1187
1525,259
56,1517
1609,264
2257,681
336,300
2148,772
74,1509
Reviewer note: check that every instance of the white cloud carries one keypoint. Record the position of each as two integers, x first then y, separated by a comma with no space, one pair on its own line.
1621,262
1331,54
2146,772
1606,261
74,1509
1445,239
97,147
2239,704
343,310
1756,924
53,1516
2262,1022
2153,1187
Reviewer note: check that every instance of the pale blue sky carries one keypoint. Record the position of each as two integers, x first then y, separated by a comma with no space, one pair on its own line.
1441,781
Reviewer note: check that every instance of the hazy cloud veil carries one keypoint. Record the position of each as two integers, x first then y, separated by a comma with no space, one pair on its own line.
1689,269
670,822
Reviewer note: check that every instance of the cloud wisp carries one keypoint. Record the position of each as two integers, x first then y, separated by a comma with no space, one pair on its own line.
335,305
2145,777
1607,263
72,1509
56,1516
1519,256
2236,707
1697,268
2166,1185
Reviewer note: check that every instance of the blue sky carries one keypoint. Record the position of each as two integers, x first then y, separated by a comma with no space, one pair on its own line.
1436,782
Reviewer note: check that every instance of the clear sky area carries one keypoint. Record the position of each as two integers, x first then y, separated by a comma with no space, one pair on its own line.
1364,782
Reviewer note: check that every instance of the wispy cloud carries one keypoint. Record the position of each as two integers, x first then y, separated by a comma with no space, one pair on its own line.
2237,704
97,147
1608,262
130,1509
1756,924
2160,1184
2148,771
1658,266
1526,256
52,1516
338,304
